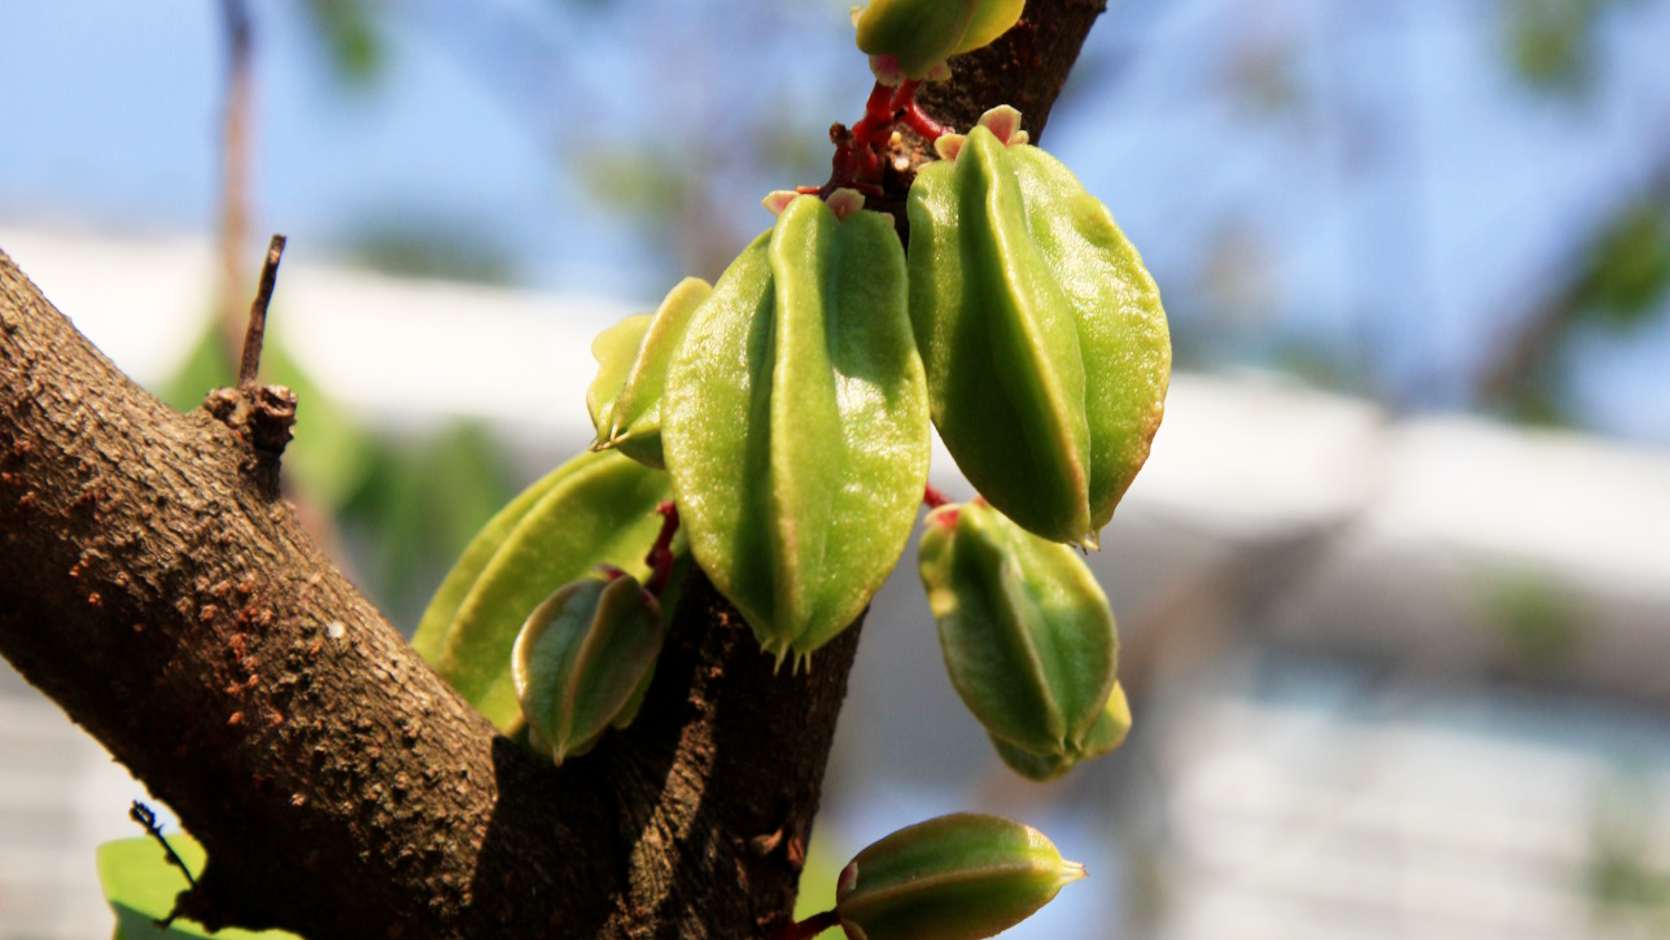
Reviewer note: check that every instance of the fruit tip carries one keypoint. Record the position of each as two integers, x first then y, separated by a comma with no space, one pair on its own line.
844,202
1004,121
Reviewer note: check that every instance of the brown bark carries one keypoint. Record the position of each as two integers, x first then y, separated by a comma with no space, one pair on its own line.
1024,69
152,587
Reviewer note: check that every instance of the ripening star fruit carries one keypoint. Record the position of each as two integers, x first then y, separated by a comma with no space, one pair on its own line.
632,357
583,661
596,509
913,38
1027,634
960,877
795,422
1042,334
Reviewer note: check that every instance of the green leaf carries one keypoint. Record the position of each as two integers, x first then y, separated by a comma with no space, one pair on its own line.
141,886
1628,265
423,502
443,607
824,860
1551,42
351,37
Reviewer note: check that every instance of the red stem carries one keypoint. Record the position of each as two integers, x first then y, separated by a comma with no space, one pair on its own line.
660,558
861,154
904,104
918,120
808,928
904,95
878,116
933,498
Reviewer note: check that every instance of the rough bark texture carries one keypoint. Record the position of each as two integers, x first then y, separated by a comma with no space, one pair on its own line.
1025,68
151,585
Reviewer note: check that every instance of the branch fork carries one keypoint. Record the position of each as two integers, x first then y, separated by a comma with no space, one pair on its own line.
865,152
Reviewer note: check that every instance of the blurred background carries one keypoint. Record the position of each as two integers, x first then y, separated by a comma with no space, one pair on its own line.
1394,589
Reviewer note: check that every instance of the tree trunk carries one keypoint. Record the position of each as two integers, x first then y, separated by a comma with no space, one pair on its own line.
153,587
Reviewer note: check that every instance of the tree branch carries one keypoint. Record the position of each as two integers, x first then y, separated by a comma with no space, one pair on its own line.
237,107
178,612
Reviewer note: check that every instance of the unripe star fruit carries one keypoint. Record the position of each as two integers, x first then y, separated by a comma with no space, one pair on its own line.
624,401
912,39
583,661
1043,337
795,424
965,876
1028,637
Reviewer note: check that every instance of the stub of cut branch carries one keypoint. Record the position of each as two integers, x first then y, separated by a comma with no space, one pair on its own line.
263,415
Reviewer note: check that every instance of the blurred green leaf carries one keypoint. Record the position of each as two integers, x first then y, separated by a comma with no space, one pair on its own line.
1626,880
419,505
141,886
1548,40
1534,616
1552,43
330,454
350,35
1620,877
824,859
1536,404
439,248
207,366
1321,364
637,182
1628,266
